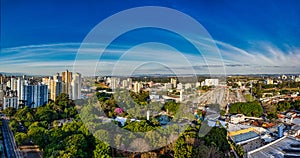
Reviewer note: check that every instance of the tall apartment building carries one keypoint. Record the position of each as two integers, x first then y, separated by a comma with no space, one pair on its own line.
10,99
137,86
54,85
20,85
129,80
13,84
114,83
76,86
174,82
66,80
35,95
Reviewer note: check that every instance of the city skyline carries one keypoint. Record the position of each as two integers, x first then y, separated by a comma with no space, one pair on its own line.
250,40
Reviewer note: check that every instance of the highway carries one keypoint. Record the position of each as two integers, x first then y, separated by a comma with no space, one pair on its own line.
11,148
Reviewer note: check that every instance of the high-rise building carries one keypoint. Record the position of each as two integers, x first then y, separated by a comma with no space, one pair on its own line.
1,79
129,81
114,83
10,99
66,80
124,83
55,86
35,95
136,87
13,84
76,86
174,82
20,84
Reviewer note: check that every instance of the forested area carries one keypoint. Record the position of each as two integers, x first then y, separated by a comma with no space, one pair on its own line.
247,108
60,131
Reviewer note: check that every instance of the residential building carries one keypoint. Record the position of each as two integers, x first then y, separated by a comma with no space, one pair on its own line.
286,146
137,86
174,82
76,86
211,82
269,81
66,83
124,83
114,83
56,86
35,95
10,99
20,84
235,119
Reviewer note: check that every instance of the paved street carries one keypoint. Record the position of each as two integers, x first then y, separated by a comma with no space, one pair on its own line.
9,142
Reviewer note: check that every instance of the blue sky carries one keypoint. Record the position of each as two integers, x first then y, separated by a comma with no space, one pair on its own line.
42,37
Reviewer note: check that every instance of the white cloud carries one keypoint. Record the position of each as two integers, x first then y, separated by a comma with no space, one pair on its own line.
51,58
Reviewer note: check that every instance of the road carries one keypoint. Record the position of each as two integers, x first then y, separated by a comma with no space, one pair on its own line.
11,148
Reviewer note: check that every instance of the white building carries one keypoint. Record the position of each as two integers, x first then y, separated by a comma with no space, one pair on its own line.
137,86
211,82
179,86
187,86
10,101
174,82
20,84
124,83
13,84
129,80
114,83
235,119
269,81
76,86
168,86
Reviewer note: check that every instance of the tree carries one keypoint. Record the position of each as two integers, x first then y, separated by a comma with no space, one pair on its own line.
24,115
76,145
297,104
102,135
217,137
248,108
102,150
240,151
283,106
45,114
20,137
182,150
171,107
10,111
38,136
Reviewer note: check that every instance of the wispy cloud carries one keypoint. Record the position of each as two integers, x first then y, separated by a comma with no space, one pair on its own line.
150,58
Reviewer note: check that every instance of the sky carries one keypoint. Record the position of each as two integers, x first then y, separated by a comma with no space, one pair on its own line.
238,37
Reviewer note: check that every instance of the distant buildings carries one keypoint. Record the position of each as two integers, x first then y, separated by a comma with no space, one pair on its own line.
269,81
32,93
174,82
210,82
68,83
137,86
114,83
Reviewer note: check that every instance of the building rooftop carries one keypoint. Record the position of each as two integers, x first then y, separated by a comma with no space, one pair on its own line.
283,147
244,136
